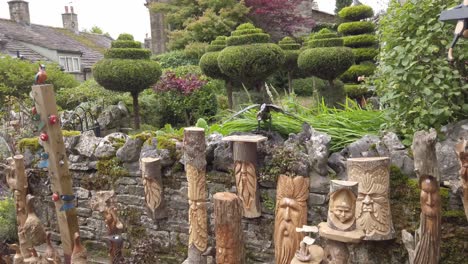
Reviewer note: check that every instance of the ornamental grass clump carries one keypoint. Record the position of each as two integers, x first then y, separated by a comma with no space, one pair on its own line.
127,68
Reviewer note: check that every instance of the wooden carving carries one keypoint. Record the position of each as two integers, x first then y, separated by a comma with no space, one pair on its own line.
79,254
152,181
342,206
428,243
373,206
462,153
228,215
336,252
18,258
104,202
51,253
116,244
196,183
308,254
198,232
33,228
291,212
246,182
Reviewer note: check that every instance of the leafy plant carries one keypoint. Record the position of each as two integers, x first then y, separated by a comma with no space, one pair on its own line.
8,229
414,79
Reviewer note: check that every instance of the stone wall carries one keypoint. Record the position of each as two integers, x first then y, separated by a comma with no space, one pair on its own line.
113,163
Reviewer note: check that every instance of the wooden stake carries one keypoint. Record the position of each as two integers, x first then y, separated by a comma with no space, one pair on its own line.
152,181
228,229
245,170
21,190
61,181
195,167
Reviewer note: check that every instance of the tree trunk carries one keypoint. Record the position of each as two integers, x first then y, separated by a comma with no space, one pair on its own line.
195,167
136,110
290,82
229,94
228,228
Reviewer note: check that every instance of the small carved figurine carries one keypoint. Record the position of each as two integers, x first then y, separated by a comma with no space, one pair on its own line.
79,254
33,228
18,258
50,252
41,75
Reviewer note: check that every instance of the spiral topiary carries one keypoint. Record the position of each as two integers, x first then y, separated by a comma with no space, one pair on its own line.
126,68
248,57
324,38
326,63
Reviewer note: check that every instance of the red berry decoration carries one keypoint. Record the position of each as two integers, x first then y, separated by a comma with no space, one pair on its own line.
55,197
44,137
53,119
34,110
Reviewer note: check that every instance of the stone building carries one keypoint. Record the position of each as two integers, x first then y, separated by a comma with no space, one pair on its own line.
75,51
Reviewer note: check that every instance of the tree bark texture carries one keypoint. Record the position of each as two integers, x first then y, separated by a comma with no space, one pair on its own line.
228,228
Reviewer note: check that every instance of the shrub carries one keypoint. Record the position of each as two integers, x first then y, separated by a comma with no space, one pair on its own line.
248,39
355,71
356,13
356,28
209,65
326,63
330,42
217,45
126,44
125,36
195,49
319,26
324,36
8,230
303,87
365,54
288,43
174,59
128,53
355,90
360,41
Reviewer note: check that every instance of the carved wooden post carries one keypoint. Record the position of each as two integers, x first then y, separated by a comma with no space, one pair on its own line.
428,236
245,170
340,227
229,237
462,153
152,181
373,206
291,212
195,166
61,182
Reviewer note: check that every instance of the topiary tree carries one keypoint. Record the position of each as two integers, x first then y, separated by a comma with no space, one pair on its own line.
291,52
248,57
127,67
326,58
359,35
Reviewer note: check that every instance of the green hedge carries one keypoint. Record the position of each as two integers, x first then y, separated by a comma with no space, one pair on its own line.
319,26
125,36
128,53
365,54
216,45
324,36
126,75
356,13
248,39
174,59
247,32
126,44
356,28
351,75
288,43
209,65
332,42
251,62
358,41
326,63
290,61
355,90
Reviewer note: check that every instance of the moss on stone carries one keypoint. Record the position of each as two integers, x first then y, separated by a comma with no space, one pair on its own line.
70,133
268,202
112,168
29,143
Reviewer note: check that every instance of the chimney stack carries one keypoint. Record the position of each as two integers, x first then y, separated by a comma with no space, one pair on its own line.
70,20
19,12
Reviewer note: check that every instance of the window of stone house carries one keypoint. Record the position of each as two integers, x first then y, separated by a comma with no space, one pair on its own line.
70,64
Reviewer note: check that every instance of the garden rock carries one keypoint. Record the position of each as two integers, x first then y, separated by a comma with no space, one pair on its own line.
317,146
338,164
87,144
105,149
131,150
212,143
223,160
364,147
112,117
5,150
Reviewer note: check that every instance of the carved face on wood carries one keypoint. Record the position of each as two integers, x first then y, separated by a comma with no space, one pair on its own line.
246,182
291,212
430,197
342,208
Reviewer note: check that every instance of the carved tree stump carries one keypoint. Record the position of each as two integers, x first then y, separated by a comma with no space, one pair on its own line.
20,192
342,205
228,229
462,153
245,170
152,181
373,213
195,166
425,159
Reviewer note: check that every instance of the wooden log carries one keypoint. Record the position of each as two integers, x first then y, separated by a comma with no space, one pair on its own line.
229,237
462,153
61,181
195,167
21,190
342,205
152,181
373,213
245,171
428,235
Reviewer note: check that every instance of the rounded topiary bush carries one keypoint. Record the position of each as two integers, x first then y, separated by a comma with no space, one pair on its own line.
356,13
351,75
356,28
326,63
355,90
358,41
324,38
209,61
216,45
126,44
127,70
364,54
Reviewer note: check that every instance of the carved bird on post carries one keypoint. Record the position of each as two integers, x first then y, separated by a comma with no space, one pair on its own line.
41,75
79,254
32,227
18,258
51,253
460,14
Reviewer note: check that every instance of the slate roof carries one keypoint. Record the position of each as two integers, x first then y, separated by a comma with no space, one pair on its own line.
90,46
